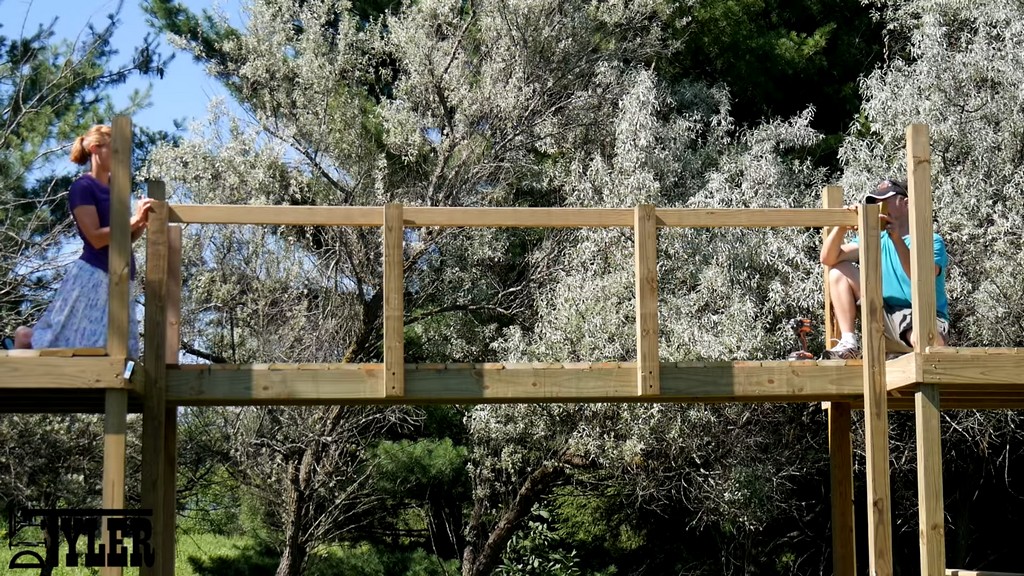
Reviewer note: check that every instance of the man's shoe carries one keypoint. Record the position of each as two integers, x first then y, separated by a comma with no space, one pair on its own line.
844,351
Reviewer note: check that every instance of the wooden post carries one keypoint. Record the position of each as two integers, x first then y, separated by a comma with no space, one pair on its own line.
173,343
154,401
645,253
120,236
170,502
840,442
876,417
116,403
173,338
831,197
931,524
840,448
394,323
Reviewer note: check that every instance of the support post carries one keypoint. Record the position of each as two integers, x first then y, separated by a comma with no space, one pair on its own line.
840,448
645,253
931,523
394,286
154,402
173,344
173,338
876,417
840,442
116,403
831,197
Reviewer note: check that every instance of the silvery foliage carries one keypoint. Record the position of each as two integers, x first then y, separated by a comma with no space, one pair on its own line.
962,75
488,103
723,293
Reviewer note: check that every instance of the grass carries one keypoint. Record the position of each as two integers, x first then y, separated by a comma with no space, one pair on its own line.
200,545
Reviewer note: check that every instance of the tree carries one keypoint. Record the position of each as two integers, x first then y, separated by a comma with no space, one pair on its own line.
50,91
957,68
447,131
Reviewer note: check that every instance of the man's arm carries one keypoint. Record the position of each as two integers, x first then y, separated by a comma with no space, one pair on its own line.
834,251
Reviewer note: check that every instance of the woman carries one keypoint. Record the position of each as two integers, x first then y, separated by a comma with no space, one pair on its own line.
77,317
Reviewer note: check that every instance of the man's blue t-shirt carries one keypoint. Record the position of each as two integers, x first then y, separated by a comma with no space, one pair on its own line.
896,284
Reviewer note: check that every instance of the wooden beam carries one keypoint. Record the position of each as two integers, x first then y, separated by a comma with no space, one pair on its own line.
120,237
53,352
754,217
309,384
276,215
44,372
115,427
876,421
957,572
154,400
968,369
467,217
394,307
173,337
518,217
645,258
840,448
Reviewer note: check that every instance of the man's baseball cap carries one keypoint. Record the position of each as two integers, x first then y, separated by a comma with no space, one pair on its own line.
885,189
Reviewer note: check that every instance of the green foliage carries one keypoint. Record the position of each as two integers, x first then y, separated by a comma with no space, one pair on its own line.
537,550
51,91
777,57
246,559
379,560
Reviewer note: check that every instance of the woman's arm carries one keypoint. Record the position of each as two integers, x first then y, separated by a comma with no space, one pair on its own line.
88,221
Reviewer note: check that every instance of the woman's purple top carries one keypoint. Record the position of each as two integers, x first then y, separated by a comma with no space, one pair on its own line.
87,191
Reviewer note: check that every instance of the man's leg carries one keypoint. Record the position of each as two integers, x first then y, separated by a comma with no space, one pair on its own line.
844,289
942,328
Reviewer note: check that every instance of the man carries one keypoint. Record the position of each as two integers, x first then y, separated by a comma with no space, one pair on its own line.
844,276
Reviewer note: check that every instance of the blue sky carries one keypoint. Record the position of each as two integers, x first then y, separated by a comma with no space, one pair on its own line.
185,90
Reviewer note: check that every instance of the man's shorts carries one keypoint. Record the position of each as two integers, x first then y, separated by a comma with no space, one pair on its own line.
898,321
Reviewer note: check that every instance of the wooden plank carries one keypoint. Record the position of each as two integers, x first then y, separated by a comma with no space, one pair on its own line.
115,427
518,217
231,384
755,217
958,572
831,197
154,400
975,351
276,215
903,373
62,373
922,250
473,217
931,523
340,383
394,307
120,237
996,369
840,448
876,421
173,297
645,259
54,352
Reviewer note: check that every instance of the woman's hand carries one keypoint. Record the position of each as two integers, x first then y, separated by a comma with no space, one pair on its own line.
141,217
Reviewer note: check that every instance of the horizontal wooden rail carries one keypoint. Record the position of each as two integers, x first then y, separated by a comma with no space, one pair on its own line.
414,216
